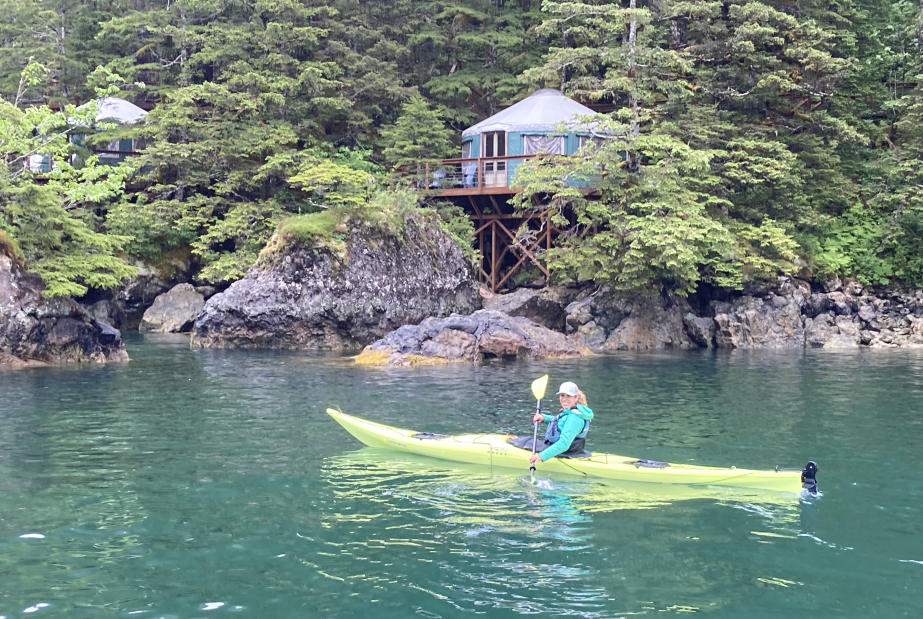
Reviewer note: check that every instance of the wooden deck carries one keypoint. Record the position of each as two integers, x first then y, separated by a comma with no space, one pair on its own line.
480,176
508,241
479,191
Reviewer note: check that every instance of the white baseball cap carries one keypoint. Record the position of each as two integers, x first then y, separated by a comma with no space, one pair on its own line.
567,388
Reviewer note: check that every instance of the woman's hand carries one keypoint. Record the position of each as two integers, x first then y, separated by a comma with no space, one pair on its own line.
538,418
534,458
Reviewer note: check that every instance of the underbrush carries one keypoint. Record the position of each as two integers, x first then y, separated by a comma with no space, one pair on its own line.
10,247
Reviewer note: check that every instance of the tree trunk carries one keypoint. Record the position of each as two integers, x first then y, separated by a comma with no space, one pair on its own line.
677,33
920,30
634,164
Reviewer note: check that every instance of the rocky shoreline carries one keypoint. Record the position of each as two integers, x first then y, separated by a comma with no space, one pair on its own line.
482,335
787,314
320,296
405,293
35,330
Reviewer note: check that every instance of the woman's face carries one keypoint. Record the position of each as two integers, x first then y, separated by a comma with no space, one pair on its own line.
567,401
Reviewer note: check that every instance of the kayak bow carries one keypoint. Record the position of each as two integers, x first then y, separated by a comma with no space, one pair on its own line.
493,450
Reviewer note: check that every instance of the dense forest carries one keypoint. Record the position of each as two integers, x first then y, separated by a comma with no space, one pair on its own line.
744,138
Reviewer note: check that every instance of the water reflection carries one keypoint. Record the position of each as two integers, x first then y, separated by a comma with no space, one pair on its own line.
477,492
187,479
498,541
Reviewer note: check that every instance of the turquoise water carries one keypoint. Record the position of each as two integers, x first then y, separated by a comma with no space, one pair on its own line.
211,483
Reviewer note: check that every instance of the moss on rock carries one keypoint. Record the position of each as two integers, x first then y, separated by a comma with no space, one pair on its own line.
10,247
342,278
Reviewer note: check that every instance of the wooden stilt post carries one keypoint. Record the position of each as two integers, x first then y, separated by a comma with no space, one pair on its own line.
493,258
481,252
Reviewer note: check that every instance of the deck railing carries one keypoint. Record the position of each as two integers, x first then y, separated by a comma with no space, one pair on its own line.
475,175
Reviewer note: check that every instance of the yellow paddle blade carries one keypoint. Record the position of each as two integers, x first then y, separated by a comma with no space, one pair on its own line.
538,387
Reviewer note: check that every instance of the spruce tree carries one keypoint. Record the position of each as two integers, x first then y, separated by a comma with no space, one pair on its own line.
902,198
48,207
704,160
418,137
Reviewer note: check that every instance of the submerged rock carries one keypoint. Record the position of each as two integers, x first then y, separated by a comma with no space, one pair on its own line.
325,296
35,330
483,334
173,311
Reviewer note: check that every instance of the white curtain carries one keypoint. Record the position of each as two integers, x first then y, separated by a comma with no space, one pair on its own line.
535,144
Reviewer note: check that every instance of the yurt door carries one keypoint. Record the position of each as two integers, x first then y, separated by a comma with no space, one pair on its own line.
495,171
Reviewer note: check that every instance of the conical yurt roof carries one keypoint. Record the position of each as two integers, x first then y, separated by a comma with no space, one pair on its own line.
119,110
543,110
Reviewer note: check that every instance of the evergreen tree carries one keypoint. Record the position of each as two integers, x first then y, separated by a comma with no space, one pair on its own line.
247,89
902,198
50,213
703,158
740,126
418,136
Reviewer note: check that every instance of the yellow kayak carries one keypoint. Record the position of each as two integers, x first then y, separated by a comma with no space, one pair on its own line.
493,450
367,471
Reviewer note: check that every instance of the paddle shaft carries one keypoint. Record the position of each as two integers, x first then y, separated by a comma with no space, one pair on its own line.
538,409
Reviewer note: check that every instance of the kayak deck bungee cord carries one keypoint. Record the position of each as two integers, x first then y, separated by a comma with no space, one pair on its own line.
494,450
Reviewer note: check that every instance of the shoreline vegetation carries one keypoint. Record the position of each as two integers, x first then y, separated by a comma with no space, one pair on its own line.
737,146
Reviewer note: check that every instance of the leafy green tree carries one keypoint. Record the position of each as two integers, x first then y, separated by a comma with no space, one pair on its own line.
52,217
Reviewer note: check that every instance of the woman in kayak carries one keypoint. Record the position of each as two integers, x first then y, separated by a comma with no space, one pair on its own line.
566,433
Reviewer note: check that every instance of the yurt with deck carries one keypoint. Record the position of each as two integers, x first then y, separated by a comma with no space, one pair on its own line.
527,128
110,109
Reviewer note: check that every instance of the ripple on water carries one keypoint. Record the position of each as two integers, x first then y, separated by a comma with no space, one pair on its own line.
188,478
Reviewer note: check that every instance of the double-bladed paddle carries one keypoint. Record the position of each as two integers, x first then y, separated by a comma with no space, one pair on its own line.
538,390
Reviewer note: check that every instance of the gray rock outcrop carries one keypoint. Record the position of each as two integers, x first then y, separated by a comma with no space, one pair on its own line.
784,314
773,321
700,330
173,311
483,334
546,306
124,306
847,316
605,321
129,302
642,323
35,330
321,297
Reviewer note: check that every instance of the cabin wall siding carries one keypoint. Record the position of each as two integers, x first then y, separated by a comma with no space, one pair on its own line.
475,146
515,147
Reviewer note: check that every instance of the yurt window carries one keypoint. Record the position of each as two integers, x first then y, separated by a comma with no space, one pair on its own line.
112,150
535,144
595,141
495,144
466,149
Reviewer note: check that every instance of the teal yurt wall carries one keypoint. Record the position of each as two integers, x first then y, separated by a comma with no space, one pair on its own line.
538,123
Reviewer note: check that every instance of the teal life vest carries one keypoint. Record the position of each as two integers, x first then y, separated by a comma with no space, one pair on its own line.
553,432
